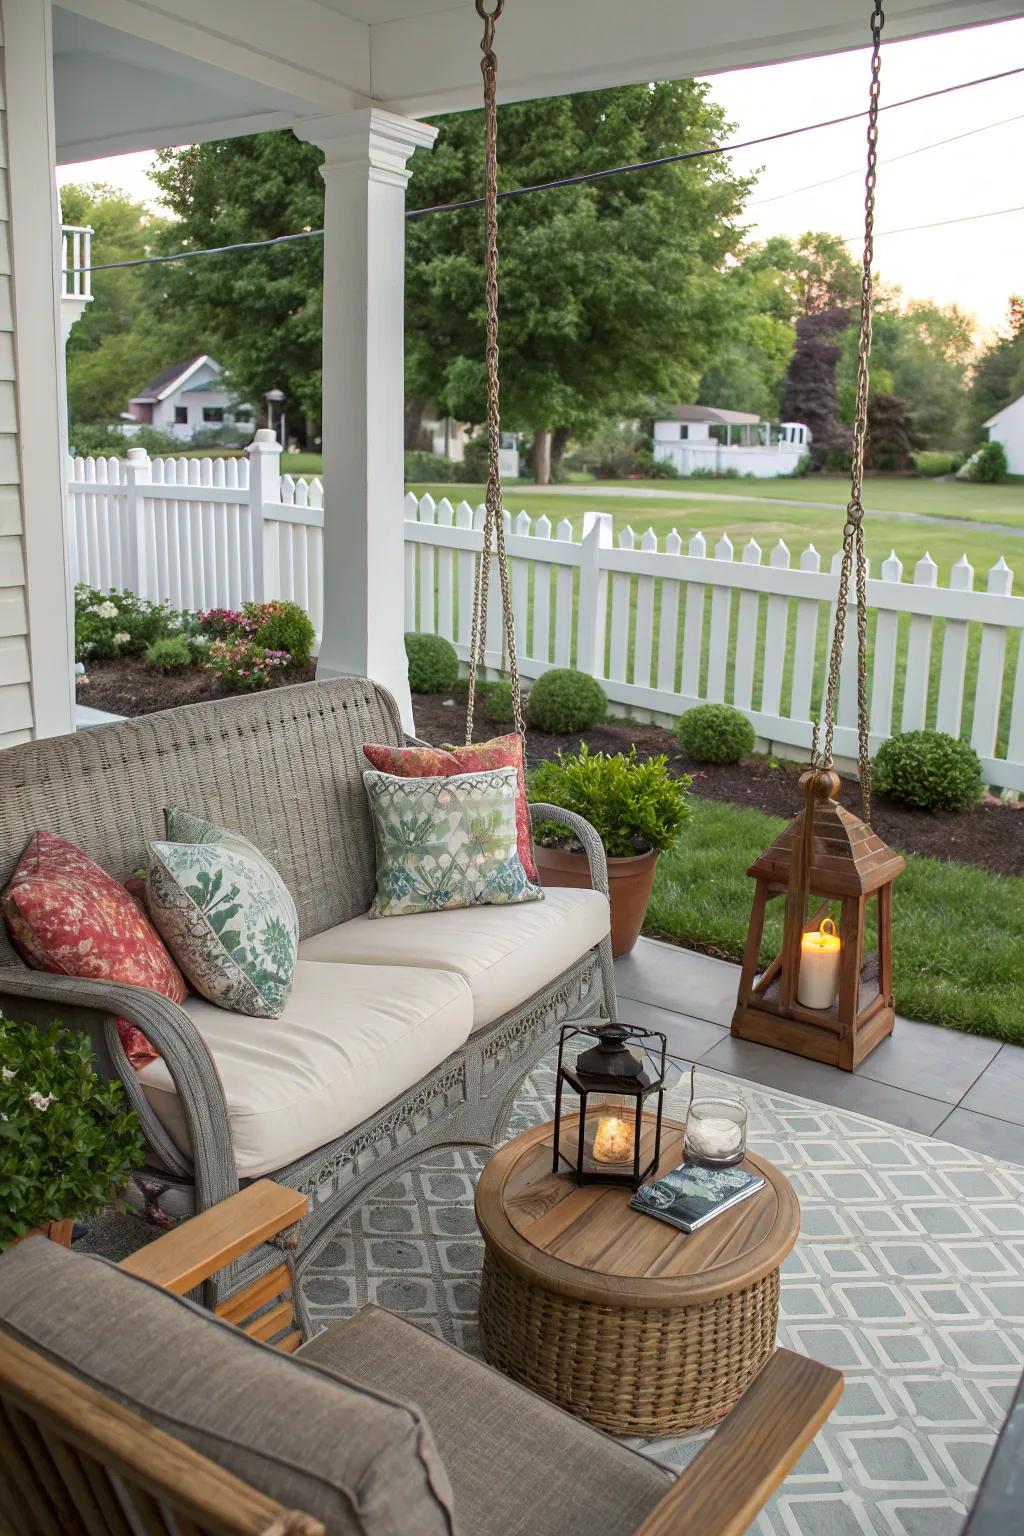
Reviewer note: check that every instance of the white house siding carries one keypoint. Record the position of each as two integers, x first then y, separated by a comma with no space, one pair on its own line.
1007,427
36,691
15,696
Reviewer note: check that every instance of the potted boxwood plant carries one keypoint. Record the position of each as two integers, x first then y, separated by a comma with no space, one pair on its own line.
637,809
68,1140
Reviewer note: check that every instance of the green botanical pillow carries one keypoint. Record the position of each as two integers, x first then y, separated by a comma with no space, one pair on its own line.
446,842
225,914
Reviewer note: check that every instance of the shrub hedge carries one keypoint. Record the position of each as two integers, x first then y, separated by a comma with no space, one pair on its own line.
929,771
715,733
565,700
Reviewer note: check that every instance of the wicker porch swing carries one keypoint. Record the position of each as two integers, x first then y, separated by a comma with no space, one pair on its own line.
821,996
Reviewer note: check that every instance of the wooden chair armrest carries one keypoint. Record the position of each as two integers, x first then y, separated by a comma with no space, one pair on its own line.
182,1259
748,1457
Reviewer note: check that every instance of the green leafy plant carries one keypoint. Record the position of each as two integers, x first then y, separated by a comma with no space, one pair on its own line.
433,664
68,1140
498,703
715,733
173,653
111,624
988,466
282,626
565,700
930,463
632,803
431,467
929,771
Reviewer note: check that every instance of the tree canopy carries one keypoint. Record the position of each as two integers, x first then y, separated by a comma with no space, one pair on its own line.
120,341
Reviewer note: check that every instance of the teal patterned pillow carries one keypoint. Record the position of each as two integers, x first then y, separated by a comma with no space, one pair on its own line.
446,842
225,914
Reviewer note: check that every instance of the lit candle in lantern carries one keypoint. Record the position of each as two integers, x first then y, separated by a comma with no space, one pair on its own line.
820,954
613,1142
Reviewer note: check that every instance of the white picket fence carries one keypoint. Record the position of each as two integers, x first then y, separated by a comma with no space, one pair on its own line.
663,627
198,533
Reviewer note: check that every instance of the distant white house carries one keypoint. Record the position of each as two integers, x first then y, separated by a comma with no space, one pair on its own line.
695,437
187,398
1007,427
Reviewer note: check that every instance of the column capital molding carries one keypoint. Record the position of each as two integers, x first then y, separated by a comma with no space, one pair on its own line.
381,142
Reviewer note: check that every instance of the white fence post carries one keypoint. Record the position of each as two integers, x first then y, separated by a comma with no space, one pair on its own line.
264,455
138,473
592,612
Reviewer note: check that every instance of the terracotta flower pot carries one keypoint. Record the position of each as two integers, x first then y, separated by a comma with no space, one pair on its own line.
630,882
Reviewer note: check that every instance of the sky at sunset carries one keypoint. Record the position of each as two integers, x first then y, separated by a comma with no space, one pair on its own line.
979,169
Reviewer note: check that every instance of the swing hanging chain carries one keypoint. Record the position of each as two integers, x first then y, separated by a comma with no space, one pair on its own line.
494,522
853,559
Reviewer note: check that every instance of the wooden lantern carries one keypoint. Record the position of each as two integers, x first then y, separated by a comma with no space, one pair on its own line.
827,856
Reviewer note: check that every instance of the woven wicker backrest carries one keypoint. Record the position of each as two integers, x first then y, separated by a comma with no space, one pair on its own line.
284,767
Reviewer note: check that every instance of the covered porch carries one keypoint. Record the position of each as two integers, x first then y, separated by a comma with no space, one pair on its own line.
357,78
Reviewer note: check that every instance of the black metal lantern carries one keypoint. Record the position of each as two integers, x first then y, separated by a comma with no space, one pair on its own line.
614,1141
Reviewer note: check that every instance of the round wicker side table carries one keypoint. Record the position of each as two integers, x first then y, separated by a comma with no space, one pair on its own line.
623,1320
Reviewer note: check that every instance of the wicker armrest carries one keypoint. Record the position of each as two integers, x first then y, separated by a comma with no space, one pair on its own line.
182,1259
584,834
749,1455
170,1030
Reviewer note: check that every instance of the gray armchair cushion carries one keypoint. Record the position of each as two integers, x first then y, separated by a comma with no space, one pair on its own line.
518,1465
350,1455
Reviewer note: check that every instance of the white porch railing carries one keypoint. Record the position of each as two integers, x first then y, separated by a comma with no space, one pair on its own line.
663,627
76,261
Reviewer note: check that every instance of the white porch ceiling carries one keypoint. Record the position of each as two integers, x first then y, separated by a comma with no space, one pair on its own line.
134,74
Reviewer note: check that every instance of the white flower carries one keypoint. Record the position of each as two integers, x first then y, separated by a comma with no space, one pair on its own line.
122,637
106,610
41,1100
7,1074
94,608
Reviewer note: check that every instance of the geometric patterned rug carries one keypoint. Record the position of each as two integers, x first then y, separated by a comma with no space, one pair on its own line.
908,1276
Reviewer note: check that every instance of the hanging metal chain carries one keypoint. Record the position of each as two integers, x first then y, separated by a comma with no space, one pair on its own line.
853,532
494,522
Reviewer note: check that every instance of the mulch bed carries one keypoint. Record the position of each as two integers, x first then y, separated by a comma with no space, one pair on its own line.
991,834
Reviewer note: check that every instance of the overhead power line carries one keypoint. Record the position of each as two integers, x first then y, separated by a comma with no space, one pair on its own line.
966,218
908,154
581,179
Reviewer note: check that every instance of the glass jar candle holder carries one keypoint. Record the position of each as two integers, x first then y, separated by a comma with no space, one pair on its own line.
716,1131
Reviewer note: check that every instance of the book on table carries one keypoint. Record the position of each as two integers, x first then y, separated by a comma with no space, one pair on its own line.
689,1196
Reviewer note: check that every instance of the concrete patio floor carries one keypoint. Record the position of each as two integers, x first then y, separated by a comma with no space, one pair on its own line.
964,1089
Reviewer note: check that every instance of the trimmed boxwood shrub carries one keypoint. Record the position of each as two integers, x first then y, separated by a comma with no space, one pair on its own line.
433,664
171,654
715,733
565,700
929,771
498,703
283,626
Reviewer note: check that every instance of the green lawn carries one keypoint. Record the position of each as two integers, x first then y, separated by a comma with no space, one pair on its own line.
966,974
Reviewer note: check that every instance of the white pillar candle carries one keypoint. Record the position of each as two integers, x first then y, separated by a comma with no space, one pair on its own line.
713,1137
820,954
613,1142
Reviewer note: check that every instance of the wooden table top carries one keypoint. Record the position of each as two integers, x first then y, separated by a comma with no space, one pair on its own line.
586,1242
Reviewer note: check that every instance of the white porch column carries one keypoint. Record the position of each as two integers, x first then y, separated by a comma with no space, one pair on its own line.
363,391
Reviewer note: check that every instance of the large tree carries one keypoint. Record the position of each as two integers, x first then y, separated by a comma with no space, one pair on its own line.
612,292
999,375
259,312
810,394
120,340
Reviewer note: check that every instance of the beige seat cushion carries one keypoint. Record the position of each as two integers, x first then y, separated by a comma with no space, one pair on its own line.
349,1455
505,953
351,1038
518,1466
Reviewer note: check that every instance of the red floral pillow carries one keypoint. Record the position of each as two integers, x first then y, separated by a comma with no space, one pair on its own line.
65,914
432,762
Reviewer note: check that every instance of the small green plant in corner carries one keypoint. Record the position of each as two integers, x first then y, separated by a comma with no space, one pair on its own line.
633,804
171,654
715,733
929,771
433,664
68,1139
